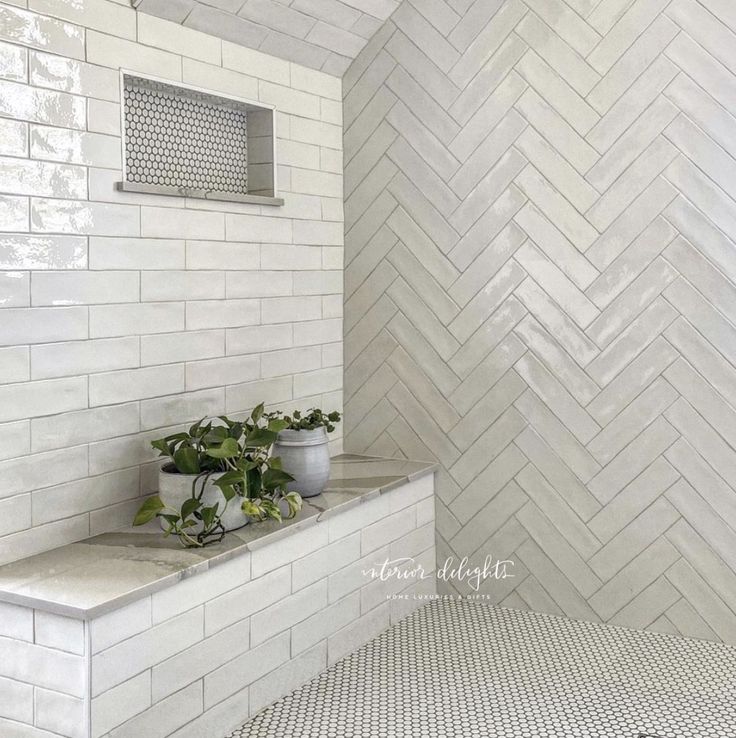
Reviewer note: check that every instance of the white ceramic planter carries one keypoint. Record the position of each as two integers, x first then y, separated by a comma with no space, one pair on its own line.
305,455
174,489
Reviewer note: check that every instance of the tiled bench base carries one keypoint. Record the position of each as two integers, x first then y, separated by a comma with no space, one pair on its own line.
43,663
198,658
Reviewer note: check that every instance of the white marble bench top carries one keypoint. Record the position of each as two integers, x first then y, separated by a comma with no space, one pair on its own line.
103,573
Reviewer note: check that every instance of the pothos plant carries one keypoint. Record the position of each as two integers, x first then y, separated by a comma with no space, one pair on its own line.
238,452
310,420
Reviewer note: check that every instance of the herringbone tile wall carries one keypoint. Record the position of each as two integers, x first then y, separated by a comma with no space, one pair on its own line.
541,224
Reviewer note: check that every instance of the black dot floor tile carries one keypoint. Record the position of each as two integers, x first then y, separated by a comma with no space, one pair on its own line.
468,670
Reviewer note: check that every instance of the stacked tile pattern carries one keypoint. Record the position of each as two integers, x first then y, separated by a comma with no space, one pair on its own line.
122,316
540,234
44,673
322,34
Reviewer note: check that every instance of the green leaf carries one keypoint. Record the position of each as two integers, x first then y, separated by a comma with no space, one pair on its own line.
229,478
209,515
271,509
253,482
274,478
194,429
187,461
148,510
236,430
217,434
161,446
228,492
252,509
177,437
189,506
294,502
277,424
260,437
255,416
228,449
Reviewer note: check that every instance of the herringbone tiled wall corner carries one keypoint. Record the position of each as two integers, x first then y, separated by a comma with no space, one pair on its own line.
540,255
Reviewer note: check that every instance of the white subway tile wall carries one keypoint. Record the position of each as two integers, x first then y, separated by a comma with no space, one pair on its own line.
124,316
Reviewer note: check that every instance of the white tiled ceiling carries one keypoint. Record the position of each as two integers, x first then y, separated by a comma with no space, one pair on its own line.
323,34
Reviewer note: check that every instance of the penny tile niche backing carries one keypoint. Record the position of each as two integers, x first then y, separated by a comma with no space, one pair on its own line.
186,141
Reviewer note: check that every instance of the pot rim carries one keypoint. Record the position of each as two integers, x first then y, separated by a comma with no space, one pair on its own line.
303,437
169,468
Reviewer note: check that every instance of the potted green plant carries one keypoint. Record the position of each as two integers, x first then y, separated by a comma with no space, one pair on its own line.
302,446
219,475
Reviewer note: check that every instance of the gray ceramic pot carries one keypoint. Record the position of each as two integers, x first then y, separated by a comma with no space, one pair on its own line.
175,488
305,455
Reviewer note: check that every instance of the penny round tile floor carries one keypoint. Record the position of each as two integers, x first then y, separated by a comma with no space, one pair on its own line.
458,669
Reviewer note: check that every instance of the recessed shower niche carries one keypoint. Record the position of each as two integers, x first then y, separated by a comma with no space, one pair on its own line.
185,141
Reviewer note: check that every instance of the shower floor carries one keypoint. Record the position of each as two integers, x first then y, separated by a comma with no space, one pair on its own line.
462,669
